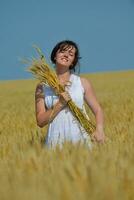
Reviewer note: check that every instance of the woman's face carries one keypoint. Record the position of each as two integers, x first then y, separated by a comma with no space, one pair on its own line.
65,56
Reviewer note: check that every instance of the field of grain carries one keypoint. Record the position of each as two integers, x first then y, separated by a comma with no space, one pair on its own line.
29,171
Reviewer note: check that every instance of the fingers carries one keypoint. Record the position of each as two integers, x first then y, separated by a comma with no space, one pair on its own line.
100,141
96,138
66,96
93,139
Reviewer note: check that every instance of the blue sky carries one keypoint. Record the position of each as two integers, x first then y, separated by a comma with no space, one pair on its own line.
103,30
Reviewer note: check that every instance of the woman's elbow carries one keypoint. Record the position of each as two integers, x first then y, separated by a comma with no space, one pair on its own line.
40,125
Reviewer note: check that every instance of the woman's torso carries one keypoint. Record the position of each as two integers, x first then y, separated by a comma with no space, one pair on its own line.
65,127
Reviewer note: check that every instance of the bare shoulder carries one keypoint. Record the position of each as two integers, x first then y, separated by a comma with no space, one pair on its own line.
39,86
38,90
86,83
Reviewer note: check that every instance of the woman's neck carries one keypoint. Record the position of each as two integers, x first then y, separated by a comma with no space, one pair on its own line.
63,76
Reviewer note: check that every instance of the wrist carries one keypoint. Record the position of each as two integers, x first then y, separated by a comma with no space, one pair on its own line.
99,127
54,111
60,105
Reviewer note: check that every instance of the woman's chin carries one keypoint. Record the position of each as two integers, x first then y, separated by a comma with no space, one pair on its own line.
62,65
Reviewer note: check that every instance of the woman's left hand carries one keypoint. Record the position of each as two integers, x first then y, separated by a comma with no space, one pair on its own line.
64,98
98,136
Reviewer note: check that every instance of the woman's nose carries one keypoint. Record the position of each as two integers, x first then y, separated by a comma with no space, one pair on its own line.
66,54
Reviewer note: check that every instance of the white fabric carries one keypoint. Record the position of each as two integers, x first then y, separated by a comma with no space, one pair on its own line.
65,127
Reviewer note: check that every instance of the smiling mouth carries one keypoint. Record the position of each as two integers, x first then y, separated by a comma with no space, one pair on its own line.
64,59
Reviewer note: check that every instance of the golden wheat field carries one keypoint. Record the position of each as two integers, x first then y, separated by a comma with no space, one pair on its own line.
30,171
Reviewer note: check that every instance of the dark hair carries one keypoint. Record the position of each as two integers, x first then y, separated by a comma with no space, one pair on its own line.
65,44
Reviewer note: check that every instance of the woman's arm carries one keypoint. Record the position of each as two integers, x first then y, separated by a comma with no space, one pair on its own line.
44,116
92,102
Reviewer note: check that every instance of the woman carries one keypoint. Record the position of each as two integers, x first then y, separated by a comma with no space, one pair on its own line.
53,110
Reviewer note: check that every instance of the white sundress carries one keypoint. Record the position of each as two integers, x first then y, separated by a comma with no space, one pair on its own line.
64,126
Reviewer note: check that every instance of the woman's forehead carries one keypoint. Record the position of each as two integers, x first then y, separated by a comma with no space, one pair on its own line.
67,47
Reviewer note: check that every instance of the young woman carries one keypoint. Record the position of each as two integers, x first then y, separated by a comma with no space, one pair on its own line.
53,110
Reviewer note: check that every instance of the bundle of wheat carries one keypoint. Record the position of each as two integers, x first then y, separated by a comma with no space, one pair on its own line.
45,74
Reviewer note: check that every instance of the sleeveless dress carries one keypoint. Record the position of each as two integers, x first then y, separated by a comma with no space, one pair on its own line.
65,127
